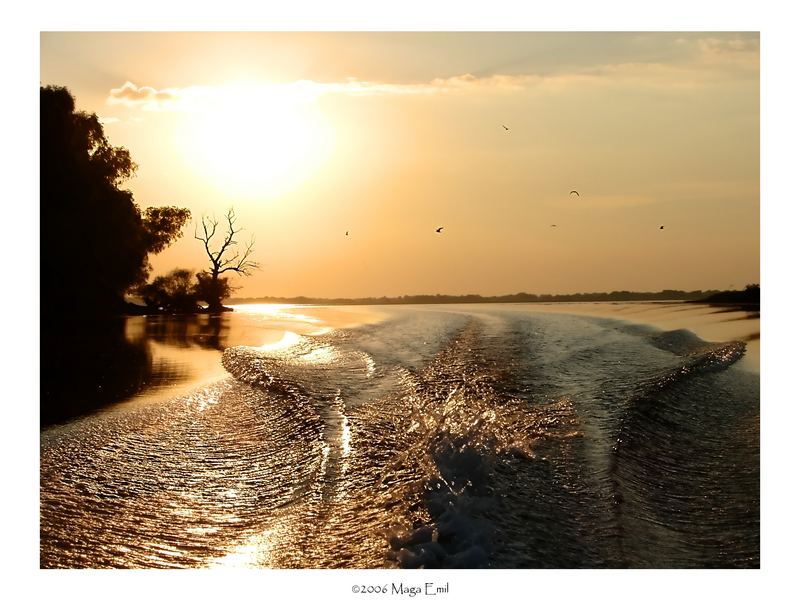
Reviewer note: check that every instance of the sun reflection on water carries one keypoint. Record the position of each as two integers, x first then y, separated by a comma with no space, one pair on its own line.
242,556
279,312
345,436
288,340
321,355
254,553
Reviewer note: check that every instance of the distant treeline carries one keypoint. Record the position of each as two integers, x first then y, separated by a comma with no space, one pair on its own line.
750,295
618,296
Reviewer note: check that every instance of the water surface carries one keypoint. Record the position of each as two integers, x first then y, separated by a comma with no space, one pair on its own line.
508,436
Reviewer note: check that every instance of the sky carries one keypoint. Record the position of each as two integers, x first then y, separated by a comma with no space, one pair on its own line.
388,136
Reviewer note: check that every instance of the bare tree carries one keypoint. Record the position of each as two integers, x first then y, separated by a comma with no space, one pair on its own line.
213,288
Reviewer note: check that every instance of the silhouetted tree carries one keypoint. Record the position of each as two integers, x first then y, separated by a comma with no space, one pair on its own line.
171,293
162,226
94,239
752,293
213,288
749,298
213,291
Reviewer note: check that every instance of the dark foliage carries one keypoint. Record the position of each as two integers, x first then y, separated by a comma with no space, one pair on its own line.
94,239
163,226
173,293
212,290
750,295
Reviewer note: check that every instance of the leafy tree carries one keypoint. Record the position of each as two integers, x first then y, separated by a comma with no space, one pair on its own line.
163,225
171,293
752,293
214,289
94,239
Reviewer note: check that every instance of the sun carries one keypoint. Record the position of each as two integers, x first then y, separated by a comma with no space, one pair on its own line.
256,140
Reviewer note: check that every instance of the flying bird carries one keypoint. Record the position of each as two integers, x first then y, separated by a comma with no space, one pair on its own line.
439,229
506,128
662,227
347,232
553,225
575,192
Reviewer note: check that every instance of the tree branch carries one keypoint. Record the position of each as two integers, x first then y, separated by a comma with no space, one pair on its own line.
243,266
206,237
239,262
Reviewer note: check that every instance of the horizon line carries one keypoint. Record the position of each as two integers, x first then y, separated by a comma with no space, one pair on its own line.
665,294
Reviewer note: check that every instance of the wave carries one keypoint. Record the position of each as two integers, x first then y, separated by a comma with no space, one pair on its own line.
684,466
437,448
446,438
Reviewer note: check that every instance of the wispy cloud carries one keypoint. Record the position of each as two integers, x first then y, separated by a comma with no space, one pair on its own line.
145,97
459,83
737,45
739,53
708,60
149,98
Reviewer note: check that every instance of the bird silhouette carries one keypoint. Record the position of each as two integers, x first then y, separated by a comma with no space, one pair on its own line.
662,227
439,229
553,225
576,193
347,233
506,128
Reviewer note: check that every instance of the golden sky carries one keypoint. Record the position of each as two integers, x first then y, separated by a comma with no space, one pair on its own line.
391,135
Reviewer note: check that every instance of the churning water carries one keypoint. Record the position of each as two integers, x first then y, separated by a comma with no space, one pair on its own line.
471,436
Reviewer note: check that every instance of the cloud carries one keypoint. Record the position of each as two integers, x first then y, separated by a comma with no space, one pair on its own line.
356,87
149,98
459,83
713,45
469,82
145,97
723,54
709,60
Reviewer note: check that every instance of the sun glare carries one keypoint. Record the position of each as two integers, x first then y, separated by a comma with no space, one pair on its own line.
257,140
